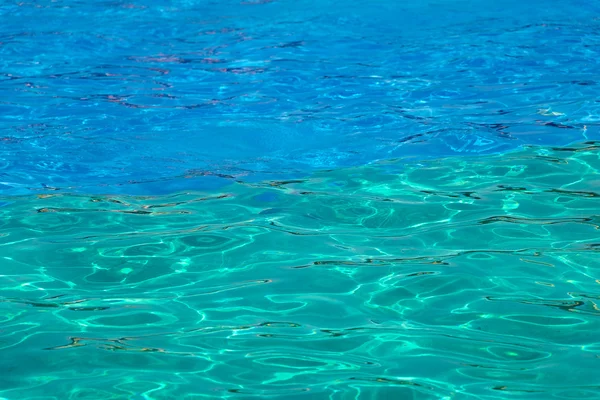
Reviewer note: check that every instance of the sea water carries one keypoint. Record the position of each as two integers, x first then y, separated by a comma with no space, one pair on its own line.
299,200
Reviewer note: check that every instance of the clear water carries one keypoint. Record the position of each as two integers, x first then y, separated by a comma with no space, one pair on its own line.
299,200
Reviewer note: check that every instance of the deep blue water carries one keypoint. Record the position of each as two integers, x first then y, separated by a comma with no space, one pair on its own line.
299,199
128,97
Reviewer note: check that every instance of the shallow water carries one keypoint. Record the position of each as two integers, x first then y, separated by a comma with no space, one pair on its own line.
456,278
299,200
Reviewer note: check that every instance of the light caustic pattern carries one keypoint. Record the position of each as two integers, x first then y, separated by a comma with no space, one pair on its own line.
335,200
446,279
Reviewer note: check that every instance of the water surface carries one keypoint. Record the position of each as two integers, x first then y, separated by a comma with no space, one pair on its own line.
299,200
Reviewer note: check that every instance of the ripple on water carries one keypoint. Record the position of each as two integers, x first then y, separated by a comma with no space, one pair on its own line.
384,293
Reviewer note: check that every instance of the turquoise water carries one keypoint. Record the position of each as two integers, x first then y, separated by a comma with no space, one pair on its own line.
456,278
332,200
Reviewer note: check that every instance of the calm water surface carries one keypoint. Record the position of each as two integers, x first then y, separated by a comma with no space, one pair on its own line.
299,200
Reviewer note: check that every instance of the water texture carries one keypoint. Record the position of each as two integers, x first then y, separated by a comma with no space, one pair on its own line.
461,278
299,200
118,97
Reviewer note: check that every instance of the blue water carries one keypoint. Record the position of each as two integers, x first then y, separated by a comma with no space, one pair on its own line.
299,199
128,97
